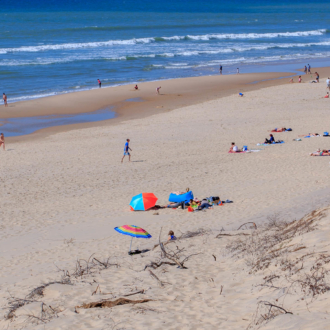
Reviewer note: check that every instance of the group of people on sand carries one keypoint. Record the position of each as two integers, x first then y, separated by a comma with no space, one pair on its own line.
195,204
320,152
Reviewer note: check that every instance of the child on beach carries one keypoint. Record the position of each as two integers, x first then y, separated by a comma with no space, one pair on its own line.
136,87
157,89
126,152
171,236
299,80
2,141
317,77
99,81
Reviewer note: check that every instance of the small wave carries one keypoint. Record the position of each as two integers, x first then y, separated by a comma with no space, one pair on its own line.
211,36
76,45
205,37
179,53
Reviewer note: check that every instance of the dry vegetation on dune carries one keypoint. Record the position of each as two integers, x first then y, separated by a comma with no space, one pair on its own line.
283,268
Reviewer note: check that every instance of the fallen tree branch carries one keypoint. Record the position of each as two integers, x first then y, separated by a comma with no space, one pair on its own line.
155,265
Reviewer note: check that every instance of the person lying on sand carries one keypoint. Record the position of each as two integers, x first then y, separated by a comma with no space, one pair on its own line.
173,205
2,141
320,153
270,140
310,134
234,148
180,193
204,204
278,130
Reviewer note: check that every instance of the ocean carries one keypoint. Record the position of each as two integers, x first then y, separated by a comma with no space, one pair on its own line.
53,47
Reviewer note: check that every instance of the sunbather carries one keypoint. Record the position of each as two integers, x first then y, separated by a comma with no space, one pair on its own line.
321,153
310,135
180,193
176,205
270,140
204,204
234,148
278,130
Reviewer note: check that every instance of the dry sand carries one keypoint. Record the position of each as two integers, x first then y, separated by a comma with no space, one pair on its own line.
63,195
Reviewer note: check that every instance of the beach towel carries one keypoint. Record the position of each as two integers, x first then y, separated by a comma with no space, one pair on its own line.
269,144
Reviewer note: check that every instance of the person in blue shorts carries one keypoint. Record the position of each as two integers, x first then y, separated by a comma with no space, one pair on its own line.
126,152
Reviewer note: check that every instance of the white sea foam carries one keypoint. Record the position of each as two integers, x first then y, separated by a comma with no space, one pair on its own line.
205,37
179,52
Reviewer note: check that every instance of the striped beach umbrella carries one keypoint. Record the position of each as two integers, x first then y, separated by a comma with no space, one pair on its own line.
143,202
133,231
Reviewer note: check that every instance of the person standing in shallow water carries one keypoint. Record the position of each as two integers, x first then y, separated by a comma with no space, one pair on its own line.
4,97
99,81
220,69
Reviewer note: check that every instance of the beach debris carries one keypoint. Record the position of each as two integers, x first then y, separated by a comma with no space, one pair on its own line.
154,276
245,226
112,303
155,265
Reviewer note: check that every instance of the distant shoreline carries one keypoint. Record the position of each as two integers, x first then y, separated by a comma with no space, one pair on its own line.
175,93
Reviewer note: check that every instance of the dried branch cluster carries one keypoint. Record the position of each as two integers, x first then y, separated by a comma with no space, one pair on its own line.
273,249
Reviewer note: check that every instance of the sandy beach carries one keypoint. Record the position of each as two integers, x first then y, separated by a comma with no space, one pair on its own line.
65,190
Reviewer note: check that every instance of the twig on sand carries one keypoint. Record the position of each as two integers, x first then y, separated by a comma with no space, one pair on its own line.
109,303
244,224
161,283
155,265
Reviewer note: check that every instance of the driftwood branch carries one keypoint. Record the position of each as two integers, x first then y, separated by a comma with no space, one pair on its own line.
155,265
254,225
266,303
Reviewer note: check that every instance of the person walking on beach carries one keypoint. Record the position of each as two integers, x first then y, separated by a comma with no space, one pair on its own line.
126,151
220,69
4,96
305,69
157,89
328,83
2,141
309,68
99,81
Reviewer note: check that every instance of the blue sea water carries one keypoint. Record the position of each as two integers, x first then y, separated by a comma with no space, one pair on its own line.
51,47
